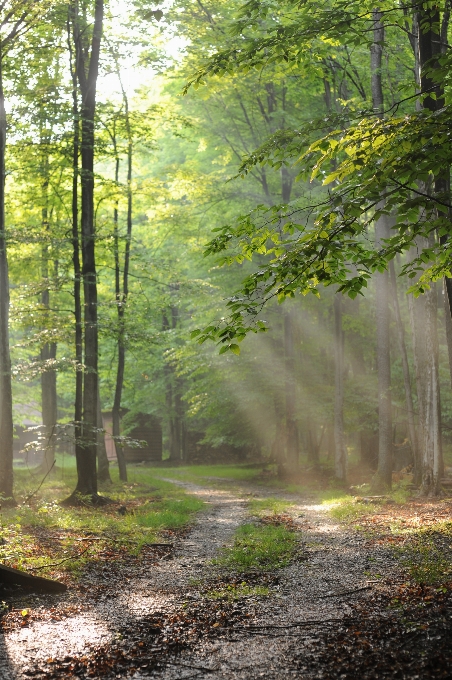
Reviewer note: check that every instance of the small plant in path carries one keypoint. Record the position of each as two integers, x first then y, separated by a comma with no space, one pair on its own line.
263,547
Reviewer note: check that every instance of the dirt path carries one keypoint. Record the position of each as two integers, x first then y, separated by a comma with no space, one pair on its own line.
122,606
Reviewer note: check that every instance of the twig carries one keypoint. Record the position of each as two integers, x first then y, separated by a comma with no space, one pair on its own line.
195,668
121,540
56,564
295,624
42,482
345,592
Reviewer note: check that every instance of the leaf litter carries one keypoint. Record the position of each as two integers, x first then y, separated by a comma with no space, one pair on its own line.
343,608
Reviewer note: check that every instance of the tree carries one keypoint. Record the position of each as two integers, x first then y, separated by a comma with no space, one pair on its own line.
382,234
16,18
340,456
87,69
378,156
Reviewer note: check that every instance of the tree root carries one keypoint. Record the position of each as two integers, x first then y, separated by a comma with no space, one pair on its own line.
78,500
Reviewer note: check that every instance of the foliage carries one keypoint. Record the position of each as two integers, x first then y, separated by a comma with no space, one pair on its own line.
264,506
44,532
259,547
236,592
425,555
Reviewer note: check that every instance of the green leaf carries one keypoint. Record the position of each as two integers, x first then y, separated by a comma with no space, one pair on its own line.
156,14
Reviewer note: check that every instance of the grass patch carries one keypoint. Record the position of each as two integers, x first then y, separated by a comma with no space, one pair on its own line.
348,509
238,591
208,473
259,547
426,555
44,533
168,514
261,507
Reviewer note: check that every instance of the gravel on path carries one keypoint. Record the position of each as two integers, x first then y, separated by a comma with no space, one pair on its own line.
335,572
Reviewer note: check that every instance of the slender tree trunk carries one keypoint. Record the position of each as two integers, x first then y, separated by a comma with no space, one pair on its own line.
116,411
49,349
78,335
383,477
417,315
122,299
405,367
448,323
292,445
6,402
432,467
278,449
340,452
48,398
174,387
384,470
86,471
429,41
103,466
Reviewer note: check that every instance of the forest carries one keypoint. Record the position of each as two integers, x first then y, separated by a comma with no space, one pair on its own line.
225,339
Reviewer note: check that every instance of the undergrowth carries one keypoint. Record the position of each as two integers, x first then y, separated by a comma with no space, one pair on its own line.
261,507
259,547
40,531
426,555
237,592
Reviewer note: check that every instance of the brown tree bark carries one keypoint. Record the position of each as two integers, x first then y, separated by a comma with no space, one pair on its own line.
448,322
103,466
432,464
174,404
116,411
383,477
292,443
405,367
121,298
340,452
87,80
49,349
6,402
430,46
78,333
48,389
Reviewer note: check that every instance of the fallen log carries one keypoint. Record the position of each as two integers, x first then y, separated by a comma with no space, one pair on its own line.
15,577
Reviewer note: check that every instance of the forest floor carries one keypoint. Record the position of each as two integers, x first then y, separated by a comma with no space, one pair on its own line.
360,589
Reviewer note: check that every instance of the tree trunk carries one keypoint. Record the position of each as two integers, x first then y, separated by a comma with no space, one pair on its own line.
278,449
423,315
448,322
86,468
383,477
6,402
174,405
49,406
116,411
405,367
429,40
103,466
78,335
48,351
292,445
121,300
340,452
417,315
432,466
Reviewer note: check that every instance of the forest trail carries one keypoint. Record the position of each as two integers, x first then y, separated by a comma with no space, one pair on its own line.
153,617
